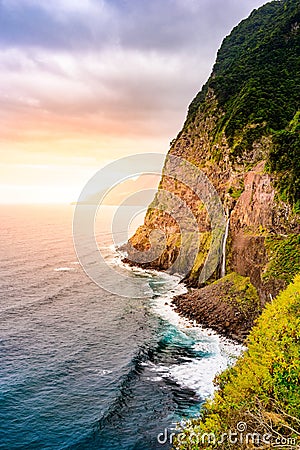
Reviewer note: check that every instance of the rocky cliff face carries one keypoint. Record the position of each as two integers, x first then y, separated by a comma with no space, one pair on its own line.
230,138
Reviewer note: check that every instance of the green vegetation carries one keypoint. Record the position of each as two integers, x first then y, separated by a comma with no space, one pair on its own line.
284,162
256,83
284,257
235,193
263,388
256,75
240,293
204,246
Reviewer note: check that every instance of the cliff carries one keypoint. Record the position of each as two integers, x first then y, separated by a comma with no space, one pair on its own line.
242,132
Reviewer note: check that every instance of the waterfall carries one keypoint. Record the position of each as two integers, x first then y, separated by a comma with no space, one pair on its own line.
223,266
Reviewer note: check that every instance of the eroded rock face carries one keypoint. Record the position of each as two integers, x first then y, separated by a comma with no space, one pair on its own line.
256,214
246,191
253,213
255,207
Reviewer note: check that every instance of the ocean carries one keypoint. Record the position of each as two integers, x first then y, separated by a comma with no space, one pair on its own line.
82,368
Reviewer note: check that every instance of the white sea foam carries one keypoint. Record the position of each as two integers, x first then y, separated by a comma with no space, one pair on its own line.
199,374
218,352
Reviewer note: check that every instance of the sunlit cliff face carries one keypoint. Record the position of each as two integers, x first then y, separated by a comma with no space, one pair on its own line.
85,82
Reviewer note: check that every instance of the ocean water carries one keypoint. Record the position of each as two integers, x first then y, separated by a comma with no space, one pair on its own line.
82,368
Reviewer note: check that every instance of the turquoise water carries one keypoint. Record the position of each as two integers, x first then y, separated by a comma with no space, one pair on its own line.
82,368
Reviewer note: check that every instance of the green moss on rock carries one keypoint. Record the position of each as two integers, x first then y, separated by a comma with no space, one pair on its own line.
240,293
204,246
284,257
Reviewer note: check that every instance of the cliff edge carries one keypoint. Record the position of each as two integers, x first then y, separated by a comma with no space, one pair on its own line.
242,132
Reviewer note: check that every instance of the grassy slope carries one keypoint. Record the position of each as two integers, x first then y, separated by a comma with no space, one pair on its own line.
263,389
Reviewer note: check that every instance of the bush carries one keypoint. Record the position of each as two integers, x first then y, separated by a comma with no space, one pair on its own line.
263,389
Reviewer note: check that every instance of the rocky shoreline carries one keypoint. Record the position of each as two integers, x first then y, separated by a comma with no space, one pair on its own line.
214,315
228,306
222,306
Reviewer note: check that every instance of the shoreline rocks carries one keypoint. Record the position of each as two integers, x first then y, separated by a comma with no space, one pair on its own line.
229,306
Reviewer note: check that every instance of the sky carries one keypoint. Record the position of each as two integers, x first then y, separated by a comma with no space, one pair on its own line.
85,82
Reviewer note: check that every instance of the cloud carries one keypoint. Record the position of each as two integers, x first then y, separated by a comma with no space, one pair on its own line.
83,82
171,25
149,87
108,67
57,25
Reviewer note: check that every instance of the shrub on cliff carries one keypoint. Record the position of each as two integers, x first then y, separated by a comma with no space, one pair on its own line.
284,257
262,391
284,161
256,74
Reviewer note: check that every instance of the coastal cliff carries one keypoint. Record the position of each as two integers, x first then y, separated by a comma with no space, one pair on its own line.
242,132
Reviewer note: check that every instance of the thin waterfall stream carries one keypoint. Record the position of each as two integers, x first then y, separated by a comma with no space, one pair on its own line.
223,266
